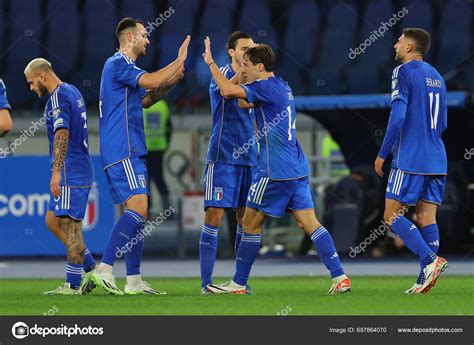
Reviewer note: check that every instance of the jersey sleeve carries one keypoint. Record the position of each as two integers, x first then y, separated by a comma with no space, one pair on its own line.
213,85
128,73
257,91
3,97
400,87
143,92
61,110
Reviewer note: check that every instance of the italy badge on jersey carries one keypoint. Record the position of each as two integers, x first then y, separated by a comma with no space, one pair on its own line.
142,181
218,193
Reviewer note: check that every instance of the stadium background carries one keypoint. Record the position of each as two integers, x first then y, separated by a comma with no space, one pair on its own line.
340,100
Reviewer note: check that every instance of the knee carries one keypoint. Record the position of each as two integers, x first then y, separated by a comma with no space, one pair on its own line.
213,217
424,219
50,223
141,207
389,216
249,227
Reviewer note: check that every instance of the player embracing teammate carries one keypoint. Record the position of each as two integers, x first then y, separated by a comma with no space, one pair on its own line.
280,184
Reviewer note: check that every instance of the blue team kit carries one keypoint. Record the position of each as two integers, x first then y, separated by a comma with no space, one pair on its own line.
417,174
3,96
66,109
280,183
228,173
122,134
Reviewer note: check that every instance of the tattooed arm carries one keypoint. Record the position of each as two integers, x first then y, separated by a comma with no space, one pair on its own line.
157,94
61,141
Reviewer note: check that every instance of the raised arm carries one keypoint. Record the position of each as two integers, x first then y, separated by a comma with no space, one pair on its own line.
155,95
161,77
226,87
242,102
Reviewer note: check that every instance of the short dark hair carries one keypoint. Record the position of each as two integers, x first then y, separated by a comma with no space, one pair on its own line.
125,23
421,38
233,38
264,54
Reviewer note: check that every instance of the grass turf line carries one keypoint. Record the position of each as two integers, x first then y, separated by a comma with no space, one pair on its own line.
452,295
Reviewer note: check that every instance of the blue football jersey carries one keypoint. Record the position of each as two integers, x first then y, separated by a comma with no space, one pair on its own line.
419,148
281,156
3,97
232,128
122,134
66,109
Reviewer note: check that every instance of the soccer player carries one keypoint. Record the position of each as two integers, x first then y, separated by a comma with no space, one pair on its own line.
419,166
6,123
123,148
228,172
72,174
281,182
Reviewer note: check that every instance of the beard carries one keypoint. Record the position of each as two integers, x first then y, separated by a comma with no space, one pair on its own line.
42,91
140,51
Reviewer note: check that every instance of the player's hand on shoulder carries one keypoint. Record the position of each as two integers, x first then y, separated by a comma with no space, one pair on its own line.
183,50
378,166
54,183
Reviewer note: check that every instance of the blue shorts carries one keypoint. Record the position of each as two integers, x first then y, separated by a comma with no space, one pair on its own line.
276,198
127,178
72,202
408,188
226,185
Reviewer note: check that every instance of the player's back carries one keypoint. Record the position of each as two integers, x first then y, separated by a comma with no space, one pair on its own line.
281,156
122,133
66,109
420,148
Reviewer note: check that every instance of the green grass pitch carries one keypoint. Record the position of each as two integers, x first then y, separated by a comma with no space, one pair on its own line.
453,295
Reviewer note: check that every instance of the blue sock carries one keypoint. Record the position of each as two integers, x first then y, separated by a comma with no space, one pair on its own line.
119,240
207,252
89,262
74,274
411,236
246,255
327,251
133,258
430,234
238,237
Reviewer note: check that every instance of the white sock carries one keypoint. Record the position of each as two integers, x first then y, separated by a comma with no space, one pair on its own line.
339,279
134,280
105,268
238,285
